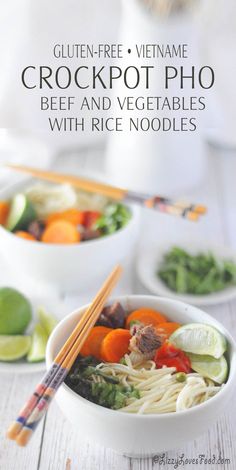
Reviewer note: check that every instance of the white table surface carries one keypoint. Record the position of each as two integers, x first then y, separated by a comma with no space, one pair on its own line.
55,445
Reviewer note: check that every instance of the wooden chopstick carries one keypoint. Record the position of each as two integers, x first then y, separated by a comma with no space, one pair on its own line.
173,209
22,429
77,182
42,386
25,434
25,412
169,206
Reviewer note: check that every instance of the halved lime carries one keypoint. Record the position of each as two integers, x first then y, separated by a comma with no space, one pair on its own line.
13,347
21,213
208,366
38,344
15,312
47,320
198,338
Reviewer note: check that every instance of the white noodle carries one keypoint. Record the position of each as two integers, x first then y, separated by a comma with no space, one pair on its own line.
51,198
57,198
160,391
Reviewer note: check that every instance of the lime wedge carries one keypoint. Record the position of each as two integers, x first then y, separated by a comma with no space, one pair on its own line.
38,344
199,338
13,347
21,213
47,320
207,366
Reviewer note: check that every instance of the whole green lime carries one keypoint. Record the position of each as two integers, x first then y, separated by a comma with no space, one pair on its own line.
15,312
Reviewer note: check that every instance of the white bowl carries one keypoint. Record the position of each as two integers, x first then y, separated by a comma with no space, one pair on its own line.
151,258
67,267
140,435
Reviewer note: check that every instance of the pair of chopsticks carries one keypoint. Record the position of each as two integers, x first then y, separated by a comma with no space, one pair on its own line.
35,408
169,206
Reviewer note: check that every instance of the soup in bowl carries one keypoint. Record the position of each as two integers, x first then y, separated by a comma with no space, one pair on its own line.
153,374
62,237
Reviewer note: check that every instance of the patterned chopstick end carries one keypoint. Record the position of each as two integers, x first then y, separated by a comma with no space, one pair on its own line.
13,430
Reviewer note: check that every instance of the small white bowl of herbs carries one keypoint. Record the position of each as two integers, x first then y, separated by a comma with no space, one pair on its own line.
191,272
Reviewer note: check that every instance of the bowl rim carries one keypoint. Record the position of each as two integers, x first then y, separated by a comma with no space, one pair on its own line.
165,416
135,211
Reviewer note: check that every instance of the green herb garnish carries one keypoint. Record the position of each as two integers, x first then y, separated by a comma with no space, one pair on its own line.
114,217
123,361
109,393
200,274
135,322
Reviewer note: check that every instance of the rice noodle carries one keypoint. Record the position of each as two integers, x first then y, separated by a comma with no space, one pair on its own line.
51,198
57,198
160,391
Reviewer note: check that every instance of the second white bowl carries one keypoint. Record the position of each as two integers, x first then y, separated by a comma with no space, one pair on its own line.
67,267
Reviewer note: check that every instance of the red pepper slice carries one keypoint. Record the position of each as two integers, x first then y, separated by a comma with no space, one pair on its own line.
167,350
181,365
90,217
170,356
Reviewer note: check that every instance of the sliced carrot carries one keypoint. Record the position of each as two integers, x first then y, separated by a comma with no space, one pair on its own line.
62,232
4,211
167,328
74,216
145,315
25,235
92,345
115,345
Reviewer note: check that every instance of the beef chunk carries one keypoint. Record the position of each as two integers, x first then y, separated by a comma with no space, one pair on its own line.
135,327
145,340
104,321
113,316
36,229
